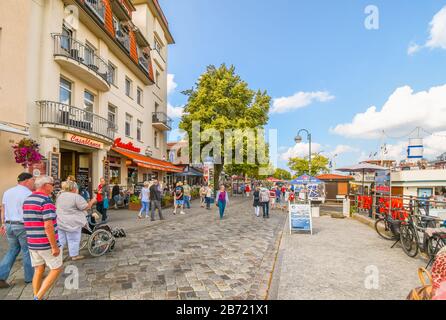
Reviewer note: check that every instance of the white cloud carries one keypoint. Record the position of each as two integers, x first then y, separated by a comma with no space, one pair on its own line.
300,150
299,100
341,149
435,145
437,34
413,48
403,111
437,37
174,112
171,84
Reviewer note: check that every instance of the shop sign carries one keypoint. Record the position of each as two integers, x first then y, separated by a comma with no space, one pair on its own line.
127,146
382,182
300,218
83,141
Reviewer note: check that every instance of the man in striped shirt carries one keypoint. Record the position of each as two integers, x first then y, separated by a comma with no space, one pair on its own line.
39,216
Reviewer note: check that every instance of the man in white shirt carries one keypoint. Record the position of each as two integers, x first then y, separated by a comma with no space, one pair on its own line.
11,224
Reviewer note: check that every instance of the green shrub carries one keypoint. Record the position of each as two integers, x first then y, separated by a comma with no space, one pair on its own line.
167,200
135,199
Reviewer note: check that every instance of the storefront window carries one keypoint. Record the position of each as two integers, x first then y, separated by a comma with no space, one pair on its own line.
115,175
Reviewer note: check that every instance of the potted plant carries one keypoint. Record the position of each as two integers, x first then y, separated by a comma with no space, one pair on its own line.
167,201
26,152
134,203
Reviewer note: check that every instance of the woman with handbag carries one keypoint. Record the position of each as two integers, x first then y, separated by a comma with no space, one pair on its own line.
222,200
102,198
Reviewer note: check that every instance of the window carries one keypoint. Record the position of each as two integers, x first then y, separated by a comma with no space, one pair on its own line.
88,101
155,139
111,73
112,115
65,91
65,40
139,96
157,45
115,175
156,107
157,78
139,130
128,125
88,106
89,54
128,87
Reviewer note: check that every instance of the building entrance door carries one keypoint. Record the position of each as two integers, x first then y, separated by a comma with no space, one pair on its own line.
79,165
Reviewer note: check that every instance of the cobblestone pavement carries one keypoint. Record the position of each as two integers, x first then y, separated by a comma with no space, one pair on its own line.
334,264
195,256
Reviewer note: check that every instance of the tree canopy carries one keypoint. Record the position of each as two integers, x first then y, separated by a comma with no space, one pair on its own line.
282,174
319,165
221,101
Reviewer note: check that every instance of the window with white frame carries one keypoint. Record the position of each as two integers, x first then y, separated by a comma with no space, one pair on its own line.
65,91
128,125
112,115
139,130
139,96
156,139
112,73
128,87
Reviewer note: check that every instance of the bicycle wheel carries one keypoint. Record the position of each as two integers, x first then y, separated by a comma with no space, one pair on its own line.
99,242
84,241
382,226
409,240
434,244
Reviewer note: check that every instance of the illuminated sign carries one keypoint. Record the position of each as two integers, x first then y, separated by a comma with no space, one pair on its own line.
127,146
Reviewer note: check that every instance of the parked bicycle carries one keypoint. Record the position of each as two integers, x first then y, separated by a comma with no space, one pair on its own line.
411,241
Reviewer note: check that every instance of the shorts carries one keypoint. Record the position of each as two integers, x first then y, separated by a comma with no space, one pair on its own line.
179,202
45,257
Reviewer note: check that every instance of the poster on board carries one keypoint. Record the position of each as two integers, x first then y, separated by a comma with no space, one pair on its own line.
300,218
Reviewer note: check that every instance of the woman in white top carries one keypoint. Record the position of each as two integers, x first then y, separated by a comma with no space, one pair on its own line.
71,217
145,200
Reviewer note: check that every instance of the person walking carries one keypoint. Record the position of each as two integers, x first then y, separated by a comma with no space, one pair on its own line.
179,198
202,195
247,190
144,196
256,204
12,226
222,200
102,199
40,221
116,192
187,194
264,201
208,197
71,218
155,199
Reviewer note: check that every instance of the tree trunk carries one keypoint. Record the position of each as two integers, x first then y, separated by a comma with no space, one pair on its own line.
218,168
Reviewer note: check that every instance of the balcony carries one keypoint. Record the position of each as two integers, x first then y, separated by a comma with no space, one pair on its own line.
143,62
80,60
61,116
97,7
161,121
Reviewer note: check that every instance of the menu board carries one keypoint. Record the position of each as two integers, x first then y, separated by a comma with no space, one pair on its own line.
83,175
55,171
107,171
300,218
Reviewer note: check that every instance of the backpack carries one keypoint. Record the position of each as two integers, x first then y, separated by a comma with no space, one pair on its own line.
264,196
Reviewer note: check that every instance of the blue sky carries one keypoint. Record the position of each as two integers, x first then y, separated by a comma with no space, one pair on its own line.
322,50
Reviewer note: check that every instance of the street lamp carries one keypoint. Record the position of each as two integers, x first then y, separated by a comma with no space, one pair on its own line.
299,139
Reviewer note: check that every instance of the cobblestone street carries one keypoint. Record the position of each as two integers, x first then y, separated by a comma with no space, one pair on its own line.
195,256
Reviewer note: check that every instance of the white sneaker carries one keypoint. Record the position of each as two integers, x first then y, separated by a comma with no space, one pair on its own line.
182,212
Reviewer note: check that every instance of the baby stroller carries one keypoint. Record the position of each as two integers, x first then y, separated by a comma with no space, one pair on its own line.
99,238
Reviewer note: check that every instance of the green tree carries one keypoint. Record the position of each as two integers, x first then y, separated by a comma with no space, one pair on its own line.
319,165
222,100
282,174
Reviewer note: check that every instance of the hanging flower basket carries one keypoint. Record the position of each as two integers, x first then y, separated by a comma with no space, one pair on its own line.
26,152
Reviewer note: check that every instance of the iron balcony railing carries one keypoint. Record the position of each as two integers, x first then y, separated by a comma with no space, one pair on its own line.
161,117
97,6
70,48
57,113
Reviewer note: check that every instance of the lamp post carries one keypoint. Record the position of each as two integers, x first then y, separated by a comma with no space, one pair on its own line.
298,139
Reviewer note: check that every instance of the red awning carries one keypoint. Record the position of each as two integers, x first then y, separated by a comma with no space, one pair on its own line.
148,162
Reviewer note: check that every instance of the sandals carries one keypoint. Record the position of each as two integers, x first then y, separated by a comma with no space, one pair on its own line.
77,258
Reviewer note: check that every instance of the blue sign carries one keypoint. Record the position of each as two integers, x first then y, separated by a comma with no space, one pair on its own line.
300,218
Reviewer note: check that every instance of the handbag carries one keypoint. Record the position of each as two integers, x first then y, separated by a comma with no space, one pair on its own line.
105,203
425,291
